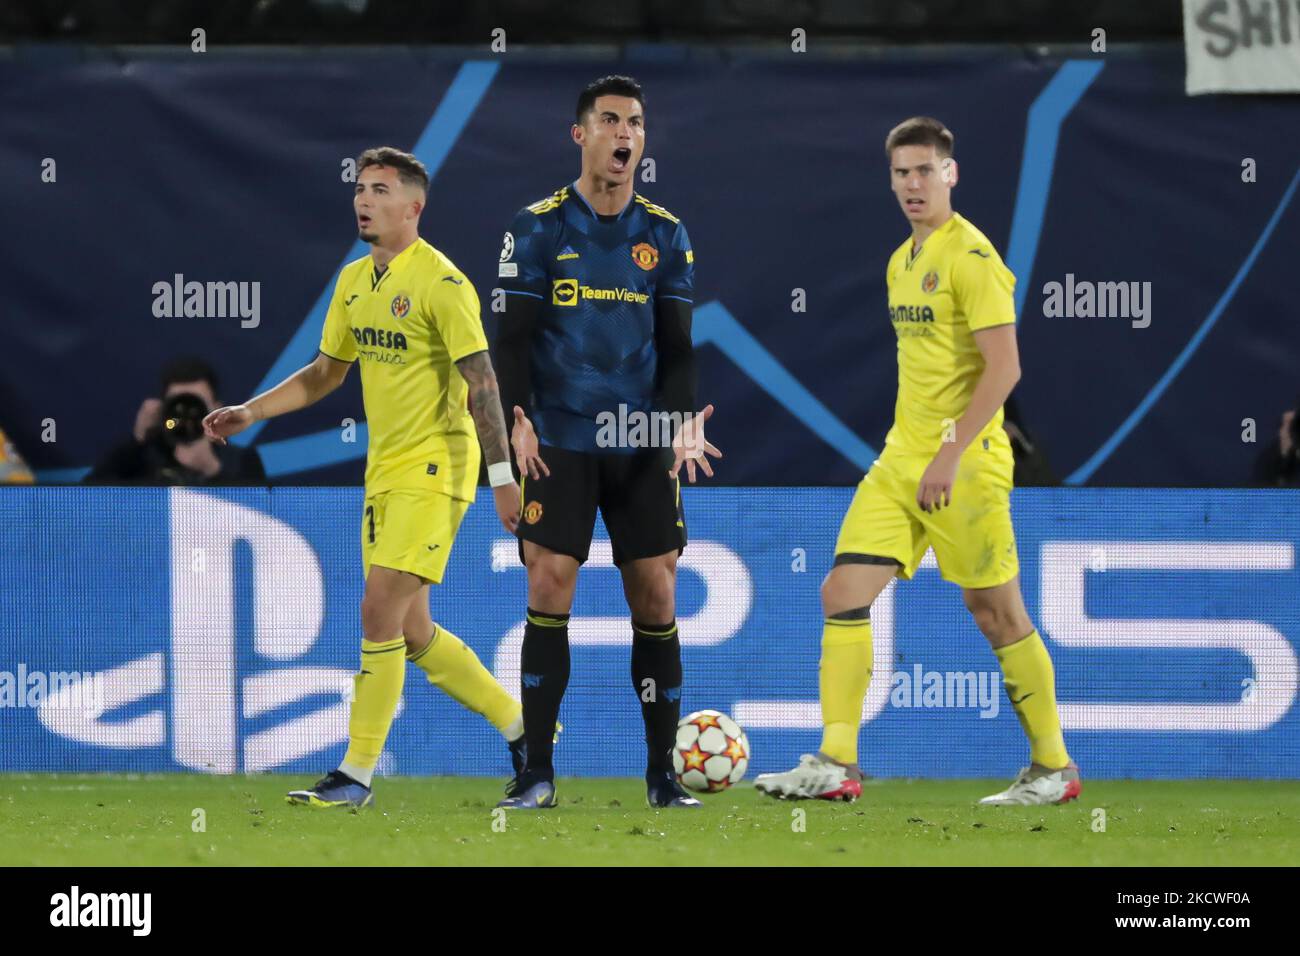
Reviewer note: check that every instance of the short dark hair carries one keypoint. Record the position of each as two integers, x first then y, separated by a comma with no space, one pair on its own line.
410,171
613,85
921,131
188,369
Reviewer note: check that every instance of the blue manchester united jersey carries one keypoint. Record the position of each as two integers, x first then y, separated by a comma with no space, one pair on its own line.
597,277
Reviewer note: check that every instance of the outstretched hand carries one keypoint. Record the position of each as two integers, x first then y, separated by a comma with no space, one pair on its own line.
226,421
690,446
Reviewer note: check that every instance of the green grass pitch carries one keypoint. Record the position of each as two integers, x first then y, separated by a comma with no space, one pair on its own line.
98,820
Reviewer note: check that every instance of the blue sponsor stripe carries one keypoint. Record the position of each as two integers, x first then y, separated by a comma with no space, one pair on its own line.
1089,467
715,325
61,476
1042,132
305,452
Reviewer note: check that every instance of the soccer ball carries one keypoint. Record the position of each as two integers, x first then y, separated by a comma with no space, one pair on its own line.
711,752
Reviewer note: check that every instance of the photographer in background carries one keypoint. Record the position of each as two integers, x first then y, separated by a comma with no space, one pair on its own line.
168,446
1278,465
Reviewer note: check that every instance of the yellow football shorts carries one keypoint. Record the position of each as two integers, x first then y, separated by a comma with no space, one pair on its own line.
410,531
972,538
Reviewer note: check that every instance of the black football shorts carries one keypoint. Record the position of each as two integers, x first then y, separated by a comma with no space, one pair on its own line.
641,505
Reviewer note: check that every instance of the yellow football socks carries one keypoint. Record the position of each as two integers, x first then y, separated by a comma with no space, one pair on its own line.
376,691
1031,687
454,667
845,673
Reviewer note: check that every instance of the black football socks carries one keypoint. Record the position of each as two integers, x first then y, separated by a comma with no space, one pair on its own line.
657,680
544,675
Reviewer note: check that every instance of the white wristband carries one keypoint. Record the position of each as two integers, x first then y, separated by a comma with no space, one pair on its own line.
500,474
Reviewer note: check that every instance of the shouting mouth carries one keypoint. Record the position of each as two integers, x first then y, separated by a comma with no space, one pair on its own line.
618,162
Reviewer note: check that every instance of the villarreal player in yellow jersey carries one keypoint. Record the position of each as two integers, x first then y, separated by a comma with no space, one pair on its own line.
943,481
410,318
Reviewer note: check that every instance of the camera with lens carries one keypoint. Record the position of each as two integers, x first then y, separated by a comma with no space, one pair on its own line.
181,419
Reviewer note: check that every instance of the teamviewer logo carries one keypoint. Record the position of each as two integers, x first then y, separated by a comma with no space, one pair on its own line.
564,292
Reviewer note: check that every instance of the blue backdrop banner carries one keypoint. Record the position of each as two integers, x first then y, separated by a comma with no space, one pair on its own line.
1152,235
175,630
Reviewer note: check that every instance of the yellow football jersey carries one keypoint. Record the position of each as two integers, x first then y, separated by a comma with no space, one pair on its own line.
409,327
956,285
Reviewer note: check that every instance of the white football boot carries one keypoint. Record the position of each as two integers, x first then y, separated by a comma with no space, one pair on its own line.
816,778
1038,785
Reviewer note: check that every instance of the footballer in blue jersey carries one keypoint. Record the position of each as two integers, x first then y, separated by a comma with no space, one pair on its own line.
597,280
595,360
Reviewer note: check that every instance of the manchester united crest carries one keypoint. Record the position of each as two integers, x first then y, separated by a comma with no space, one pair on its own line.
533,512
401,305
645,255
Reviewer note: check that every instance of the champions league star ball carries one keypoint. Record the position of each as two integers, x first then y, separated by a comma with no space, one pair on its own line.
711,752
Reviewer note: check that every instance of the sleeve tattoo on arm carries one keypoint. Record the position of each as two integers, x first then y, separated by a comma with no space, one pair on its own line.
485,406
